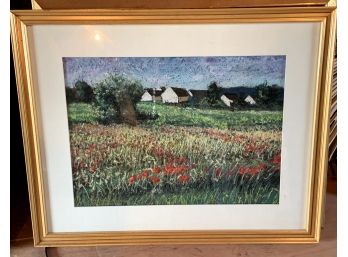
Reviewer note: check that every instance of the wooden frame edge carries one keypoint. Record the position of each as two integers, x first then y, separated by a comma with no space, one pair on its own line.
151,4
324,122
26,123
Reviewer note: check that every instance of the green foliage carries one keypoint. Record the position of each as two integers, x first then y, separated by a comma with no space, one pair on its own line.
70,94
82,113
214,118
216,195
213,93
83,92
205,103
269,95
111,93
186,116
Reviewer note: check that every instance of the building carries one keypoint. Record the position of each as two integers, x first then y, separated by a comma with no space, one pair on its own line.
175,95
146,97
250,100
229,99
151,95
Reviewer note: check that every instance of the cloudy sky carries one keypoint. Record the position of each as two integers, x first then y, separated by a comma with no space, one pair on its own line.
188,72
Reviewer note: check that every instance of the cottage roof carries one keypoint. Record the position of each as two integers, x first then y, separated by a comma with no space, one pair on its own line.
180,91
232,97
198,92
157,92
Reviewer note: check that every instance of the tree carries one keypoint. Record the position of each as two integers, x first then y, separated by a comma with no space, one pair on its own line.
83,92
213,93
276,94
116,98
269,95
70,94
262,93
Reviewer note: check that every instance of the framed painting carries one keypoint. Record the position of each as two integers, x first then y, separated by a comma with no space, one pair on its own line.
175,126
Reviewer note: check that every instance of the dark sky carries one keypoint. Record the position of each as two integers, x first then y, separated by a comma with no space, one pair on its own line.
187,72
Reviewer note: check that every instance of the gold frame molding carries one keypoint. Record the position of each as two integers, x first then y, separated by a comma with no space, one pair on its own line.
21,20
169,4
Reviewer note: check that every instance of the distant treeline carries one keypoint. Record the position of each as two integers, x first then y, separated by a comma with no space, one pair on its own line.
80,92
266,96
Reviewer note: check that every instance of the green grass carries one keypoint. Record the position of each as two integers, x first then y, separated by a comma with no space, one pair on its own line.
233,195
214,118
82,113
190,117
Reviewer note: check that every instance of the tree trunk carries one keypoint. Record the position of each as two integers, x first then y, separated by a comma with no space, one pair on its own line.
127,111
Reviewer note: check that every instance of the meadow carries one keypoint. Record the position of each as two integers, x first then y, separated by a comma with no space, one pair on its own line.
212,118
184,156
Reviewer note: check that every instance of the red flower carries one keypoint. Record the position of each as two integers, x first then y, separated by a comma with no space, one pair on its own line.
155,180
262,166
132,179
242,170
276,160
168,169
249,170
218,172
183,178
91,147
143,175
156,170
181,169
249,148
180,160
254,170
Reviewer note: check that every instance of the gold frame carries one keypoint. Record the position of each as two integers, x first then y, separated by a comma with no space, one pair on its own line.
21,20
178,4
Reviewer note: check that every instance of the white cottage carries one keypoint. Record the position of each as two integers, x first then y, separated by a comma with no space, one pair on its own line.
228,99
175,95
151,95
146,97
250,100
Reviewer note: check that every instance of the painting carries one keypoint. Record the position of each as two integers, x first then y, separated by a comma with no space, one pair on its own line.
175,130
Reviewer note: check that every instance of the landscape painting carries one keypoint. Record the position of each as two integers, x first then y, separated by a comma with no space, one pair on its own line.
175,130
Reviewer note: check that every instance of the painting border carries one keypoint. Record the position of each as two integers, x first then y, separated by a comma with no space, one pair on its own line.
21,20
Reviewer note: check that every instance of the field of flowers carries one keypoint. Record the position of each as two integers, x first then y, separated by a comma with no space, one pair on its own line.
157,163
